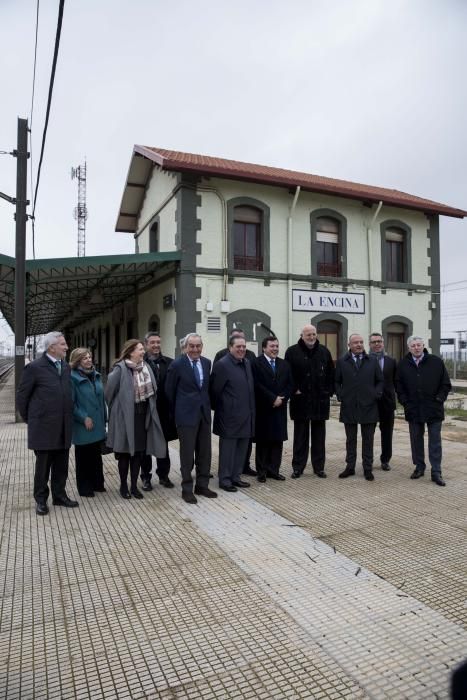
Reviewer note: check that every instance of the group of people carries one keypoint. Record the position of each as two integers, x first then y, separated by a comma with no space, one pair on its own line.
150,399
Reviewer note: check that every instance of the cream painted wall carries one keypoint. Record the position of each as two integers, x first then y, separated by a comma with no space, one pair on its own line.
159,188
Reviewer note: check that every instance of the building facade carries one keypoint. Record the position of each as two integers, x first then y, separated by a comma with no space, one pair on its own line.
269,250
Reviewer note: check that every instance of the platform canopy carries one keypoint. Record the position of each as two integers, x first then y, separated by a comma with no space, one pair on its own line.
65,292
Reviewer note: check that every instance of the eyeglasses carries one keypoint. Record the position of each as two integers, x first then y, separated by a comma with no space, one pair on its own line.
375,342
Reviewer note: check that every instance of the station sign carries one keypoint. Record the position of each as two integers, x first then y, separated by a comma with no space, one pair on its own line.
316,300
447,341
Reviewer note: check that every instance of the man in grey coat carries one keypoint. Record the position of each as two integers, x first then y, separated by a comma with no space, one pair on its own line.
233,400
359,385
45,403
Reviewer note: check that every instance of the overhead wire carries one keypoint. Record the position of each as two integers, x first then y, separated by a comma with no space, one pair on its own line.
49,100
30,124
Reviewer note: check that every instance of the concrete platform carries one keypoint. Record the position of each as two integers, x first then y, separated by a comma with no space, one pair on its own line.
309,588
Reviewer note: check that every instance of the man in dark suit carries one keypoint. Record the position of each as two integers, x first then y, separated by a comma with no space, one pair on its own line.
423,385
45,403
387,403
250,355
187,390
159,364
273,388
233,400
313,375
359,385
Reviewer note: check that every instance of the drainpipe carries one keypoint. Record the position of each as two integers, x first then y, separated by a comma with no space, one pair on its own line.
214,190
289,266
370,267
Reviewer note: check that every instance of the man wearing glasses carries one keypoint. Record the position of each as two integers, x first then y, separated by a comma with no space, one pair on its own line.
387,403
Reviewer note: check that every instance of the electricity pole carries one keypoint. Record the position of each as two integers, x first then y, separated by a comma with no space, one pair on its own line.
22,155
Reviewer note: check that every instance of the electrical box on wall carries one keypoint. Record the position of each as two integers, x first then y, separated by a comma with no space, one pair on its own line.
225,307
209,306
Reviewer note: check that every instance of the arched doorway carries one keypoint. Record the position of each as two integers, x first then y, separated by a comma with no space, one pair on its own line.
396,330
329,335
255,324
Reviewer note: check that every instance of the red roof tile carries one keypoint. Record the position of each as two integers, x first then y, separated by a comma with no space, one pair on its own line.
222,167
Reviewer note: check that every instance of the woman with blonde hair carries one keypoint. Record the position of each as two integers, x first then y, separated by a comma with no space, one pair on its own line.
134,426
89,417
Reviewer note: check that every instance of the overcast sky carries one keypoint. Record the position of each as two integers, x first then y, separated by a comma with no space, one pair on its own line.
367,90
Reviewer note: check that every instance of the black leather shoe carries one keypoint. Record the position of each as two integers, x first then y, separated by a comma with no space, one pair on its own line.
166,483
347,472
277,477
136,493
417,474
147,486
42,508
369,476
65,502
101,489
438,479
241,484
296,474
124,493
230,489
188,497
204,491
248,471
262,479
321,474
385,466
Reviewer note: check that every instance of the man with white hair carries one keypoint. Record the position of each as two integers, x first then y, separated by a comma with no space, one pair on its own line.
45,403
423,385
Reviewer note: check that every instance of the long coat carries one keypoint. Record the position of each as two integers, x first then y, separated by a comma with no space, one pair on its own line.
233,398
313,374
271,423
358,390
45,403
88,402
187,400
160,367
120,397
422,390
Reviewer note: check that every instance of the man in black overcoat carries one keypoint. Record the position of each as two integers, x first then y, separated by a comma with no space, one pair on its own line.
159,364
273,388
250,355
359,386
423,385
233,400
313,376
387,403
45,403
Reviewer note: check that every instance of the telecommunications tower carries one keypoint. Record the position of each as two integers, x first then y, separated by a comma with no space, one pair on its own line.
81,212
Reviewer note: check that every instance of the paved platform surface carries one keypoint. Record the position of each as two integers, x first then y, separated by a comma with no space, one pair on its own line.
307,588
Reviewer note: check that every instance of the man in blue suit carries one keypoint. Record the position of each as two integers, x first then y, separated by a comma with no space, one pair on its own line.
187,390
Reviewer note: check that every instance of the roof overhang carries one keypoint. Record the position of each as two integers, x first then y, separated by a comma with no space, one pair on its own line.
145,158
66,292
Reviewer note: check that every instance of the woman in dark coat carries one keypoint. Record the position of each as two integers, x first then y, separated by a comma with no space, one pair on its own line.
134,426
89,416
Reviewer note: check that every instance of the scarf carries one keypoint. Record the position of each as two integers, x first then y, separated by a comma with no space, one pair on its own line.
142,383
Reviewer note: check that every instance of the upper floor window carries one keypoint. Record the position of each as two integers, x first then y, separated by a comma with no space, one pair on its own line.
328,243
395,255
327,247
154,238
247,238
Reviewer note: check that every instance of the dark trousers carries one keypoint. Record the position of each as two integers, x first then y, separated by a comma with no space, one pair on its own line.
195,450
368,433
247,465
268,456
53,463
304,432
417,443
89,469
386,428
129,463
162,470
232,453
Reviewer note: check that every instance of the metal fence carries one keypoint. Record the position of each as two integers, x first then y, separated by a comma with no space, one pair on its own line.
456,363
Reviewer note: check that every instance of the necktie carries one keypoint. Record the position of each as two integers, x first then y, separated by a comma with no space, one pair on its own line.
273,366
197,374
358,361
58,365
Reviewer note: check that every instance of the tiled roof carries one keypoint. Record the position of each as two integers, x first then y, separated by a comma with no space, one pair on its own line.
233,169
